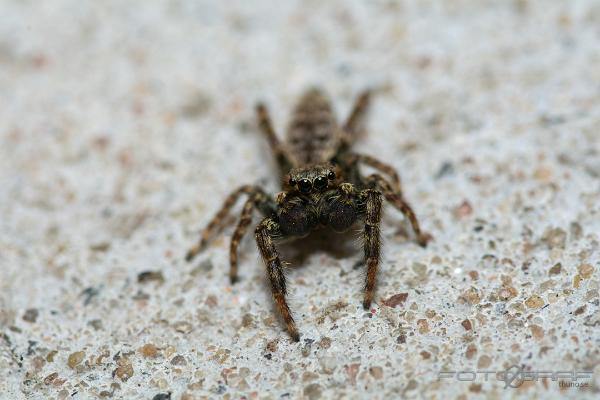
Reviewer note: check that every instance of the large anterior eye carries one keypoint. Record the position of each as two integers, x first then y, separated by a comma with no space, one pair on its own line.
304,185
321,183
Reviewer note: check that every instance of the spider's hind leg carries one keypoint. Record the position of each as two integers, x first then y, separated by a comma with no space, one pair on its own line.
260,201
394,197
380,166
266,127
353,124
217,224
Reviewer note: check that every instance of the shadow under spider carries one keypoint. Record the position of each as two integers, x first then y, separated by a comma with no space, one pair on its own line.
336,245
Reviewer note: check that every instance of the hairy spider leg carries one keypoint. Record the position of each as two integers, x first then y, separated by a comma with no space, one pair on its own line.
354,123
379,182
380,166
372,241
265,232
218,222
259,201
279,151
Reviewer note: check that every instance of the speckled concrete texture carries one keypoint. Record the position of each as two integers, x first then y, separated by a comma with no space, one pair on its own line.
123,125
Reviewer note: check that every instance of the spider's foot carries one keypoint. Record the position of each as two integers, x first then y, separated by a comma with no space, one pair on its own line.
193,252
366,304
423,239
233,279
293,330
295,335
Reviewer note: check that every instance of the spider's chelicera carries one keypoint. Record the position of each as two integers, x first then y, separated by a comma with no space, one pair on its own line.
322,187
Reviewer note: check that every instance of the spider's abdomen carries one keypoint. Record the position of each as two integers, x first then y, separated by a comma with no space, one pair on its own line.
312,136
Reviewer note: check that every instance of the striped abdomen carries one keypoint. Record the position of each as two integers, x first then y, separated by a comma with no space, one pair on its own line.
312,136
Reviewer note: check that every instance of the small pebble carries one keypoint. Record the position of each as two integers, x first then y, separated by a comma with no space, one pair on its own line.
352,371
178,360
75,359
484,361
536,331
182,327
48,379
149,350
555,270
471,351
395,300
248,321
376,372
507,292
467,325
328,364
272,346
324,343
534,301
308,376
96,324
585,270
470,296
124,369
204,267
150,276
50,356
89,294
554,238
580,310
447,168
463,210
423,326
31,315
313,391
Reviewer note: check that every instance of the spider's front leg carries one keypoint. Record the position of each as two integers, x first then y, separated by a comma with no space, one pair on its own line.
265,232
342,208
372,242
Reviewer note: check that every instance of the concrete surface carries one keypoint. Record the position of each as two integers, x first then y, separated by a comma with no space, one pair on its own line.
123,126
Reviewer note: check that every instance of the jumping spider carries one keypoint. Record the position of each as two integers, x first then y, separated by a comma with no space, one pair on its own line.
322,187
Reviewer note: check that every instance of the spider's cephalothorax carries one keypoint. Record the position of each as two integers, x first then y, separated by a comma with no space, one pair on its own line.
322,187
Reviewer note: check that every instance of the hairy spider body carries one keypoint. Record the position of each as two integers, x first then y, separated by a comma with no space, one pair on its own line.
322,187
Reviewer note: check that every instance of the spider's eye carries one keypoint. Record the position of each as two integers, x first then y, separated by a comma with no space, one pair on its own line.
331,175
305,186
292,182
321,183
